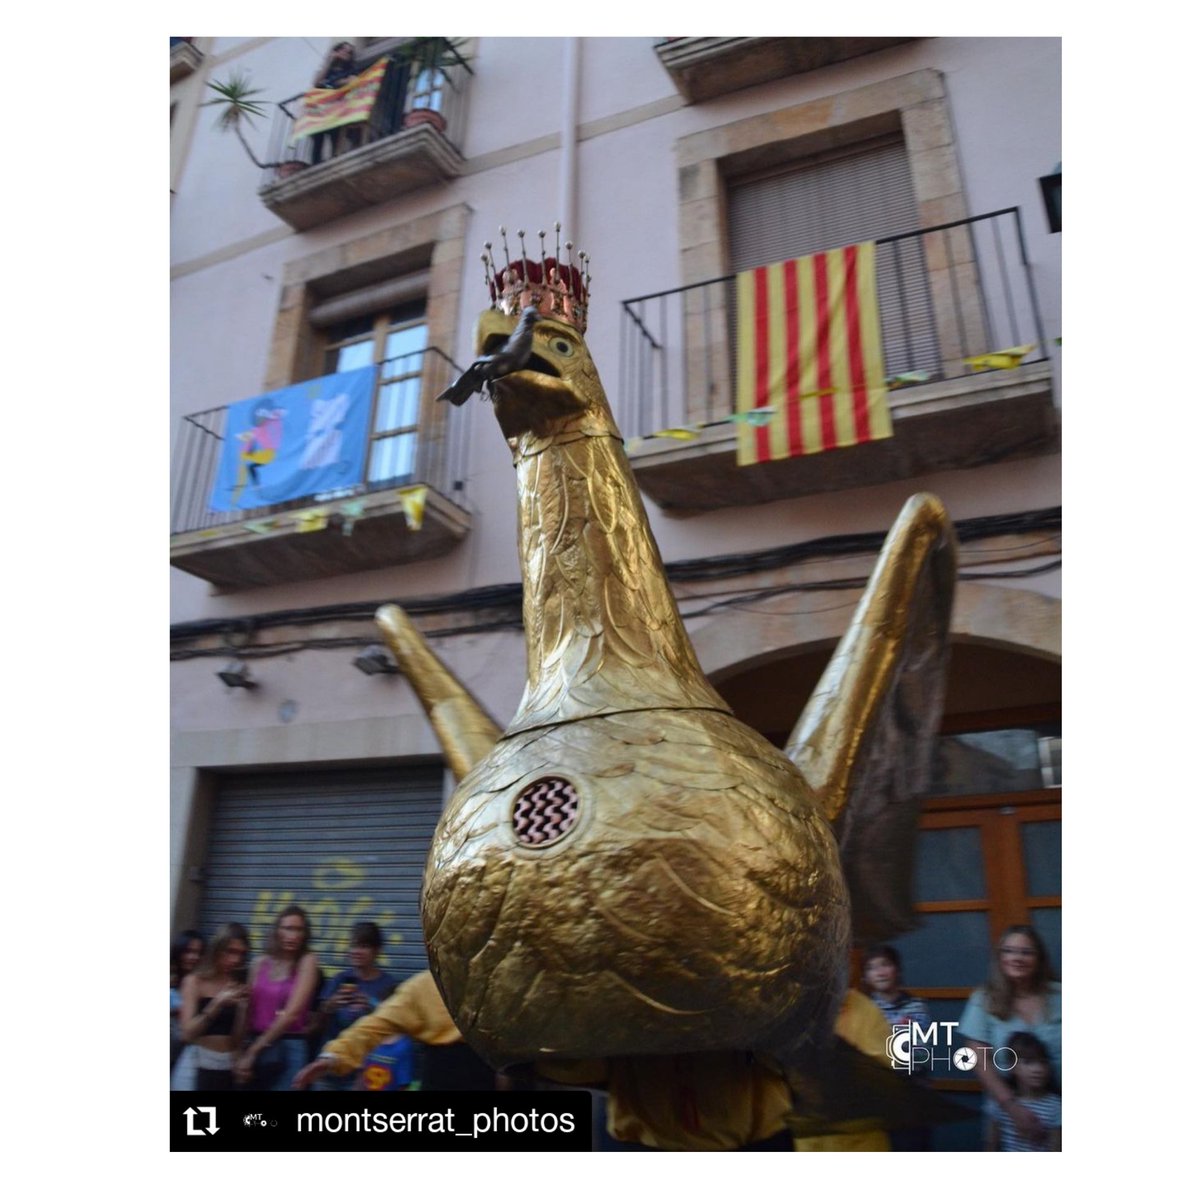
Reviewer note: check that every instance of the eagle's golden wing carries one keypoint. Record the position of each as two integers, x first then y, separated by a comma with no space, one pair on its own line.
865,739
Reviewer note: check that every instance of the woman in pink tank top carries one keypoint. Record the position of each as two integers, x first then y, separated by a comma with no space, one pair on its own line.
282,984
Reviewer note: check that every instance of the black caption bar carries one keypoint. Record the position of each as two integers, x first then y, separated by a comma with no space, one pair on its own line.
325,1121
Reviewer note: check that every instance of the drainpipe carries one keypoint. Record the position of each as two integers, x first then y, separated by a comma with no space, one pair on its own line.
570,123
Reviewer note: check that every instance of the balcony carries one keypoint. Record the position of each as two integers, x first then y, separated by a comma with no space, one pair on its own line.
946,294
410,141
362,527
185,58
705,67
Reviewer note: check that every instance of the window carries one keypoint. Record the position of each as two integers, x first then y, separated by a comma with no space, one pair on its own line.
862,193
397,341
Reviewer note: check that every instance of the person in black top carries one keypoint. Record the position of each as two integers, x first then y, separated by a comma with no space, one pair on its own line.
214,1007
339,68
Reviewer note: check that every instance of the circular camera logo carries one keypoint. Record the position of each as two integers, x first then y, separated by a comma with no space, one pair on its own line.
965,1058
899,1047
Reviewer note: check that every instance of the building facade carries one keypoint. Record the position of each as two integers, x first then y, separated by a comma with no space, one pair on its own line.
674,165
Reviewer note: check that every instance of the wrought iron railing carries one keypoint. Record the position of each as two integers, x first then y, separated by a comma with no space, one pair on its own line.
946,293
433,451
406,97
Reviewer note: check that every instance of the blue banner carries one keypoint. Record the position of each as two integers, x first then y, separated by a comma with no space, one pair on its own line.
295,442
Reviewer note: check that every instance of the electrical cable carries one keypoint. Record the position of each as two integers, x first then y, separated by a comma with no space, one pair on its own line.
508,595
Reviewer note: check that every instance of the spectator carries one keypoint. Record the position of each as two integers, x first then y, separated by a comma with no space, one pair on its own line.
354,992
282,985
881,974
1033,1086
1019,996
214,1008
186,951
336,71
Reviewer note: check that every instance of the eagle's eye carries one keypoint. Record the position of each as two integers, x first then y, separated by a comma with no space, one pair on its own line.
561,346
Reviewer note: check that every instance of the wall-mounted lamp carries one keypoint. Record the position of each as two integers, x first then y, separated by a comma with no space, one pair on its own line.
1051,186
375,660
236,675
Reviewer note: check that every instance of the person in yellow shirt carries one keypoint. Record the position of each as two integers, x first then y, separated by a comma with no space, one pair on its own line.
863,1025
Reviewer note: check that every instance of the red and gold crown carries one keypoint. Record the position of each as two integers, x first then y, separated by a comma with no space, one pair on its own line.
556,288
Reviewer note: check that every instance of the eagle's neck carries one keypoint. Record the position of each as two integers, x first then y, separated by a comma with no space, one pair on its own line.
602,630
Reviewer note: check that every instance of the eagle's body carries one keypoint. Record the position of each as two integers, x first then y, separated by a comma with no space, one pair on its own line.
629,870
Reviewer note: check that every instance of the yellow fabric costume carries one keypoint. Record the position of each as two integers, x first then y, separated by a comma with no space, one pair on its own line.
713,1101
865,1027
716,1101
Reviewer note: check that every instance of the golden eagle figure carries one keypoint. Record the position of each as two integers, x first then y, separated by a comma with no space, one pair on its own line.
627,869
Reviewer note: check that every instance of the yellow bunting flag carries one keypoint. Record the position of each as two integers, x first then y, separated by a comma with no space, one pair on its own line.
311,520
810,348
680,434
329,108
1003,360
412,501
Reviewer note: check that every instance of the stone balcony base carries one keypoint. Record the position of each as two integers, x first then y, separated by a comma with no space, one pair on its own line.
950,425
411,159
244,554
705,67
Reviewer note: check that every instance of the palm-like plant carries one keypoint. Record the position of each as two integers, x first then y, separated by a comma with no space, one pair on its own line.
235,98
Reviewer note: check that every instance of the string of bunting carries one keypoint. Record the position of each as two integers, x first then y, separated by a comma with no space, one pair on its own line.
687,433
312,520
1006,359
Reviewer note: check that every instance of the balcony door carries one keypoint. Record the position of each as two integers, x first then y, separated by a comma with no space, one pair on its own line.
396,340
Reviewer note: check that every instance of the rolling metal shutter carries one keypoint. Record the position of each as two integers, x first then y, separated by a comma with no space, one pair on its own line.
347,847
856,195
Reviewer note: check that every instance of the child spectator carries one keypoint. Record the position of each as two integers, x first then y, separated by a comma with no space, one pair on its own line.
355,991
1033,1085
881,974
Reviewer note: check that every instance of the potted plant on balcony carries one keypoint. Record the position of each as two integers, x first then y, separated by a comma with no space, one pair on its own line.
428,60
237,107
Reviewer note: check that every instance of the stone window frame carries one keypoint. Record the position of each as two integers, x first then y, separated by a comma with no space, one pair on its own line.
435,242
914,105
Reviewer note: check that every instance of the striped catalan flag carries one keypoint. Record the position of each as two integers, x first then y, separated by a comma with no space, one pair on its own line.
329,108
810,347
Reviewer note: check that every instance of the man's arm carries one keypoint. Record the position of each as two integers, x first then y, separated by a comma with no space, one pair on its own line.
415,1008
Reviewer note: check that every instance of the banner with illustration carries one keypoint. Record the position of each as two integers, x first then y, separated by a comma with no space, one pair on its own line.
298,441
